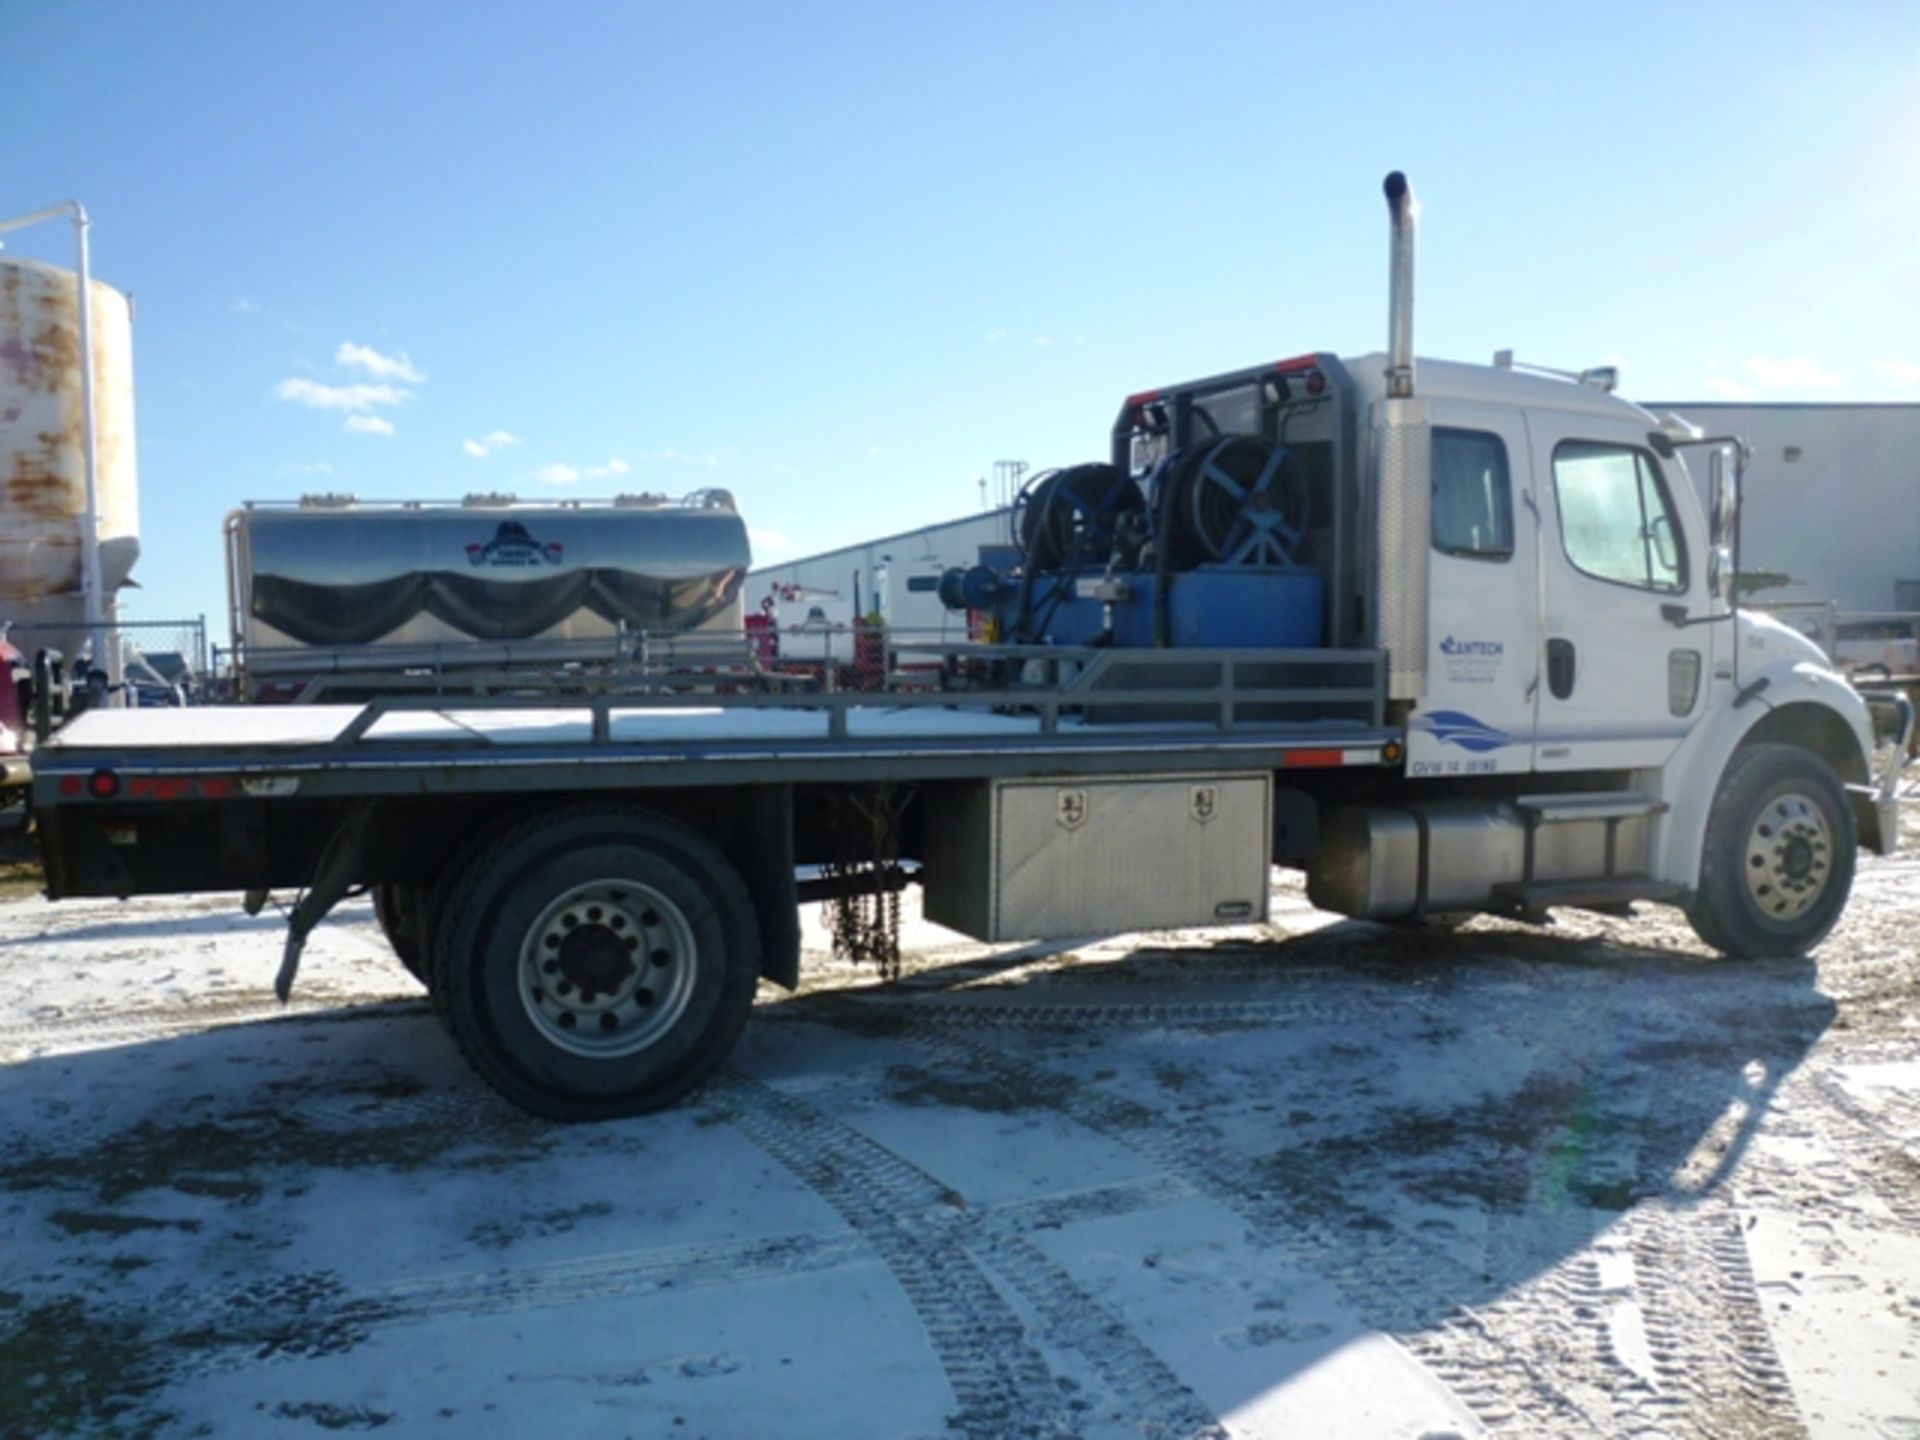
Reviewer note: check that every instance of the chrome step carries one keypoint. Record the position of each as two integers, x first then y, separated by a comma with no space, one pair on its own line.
1602,805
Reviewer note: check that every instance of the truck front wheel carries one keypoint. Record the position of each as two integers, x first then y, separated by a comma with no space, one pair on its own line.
1779,854
596,962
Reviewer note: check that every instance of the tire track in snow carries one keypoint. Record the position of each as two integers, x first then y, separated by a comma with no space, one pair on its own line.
1497,1382
928,1237
1146,1391
1549,1339
309,1314
300,1315
1712,1351
1871,1138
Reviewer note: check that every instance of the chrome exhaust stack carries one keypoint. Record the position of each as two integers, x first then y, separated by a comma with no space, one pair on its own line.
1404,212
1402,475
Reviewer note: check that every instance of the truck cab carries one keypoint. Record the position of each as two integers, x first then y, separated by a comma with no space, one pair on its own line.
1588,719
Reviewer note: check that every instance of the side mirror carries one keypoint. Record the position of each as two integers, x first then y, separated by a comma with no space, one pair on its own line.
1719,572
1725,490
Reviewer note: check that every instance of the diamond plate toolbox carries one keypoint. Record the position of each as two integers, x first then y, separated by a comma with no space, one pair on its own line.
1098,855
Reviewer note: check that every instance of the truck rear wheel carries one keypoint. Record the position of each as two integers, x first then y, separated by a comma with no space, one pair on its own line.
1779,855
397,908
596,962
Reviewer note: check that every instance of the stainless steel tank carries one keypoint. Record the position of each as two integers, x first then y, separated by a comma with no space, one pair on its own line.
332,572
42,450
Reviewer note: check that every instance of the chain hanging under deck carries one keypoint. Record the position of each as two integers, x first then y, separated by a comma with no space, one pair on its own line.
866,920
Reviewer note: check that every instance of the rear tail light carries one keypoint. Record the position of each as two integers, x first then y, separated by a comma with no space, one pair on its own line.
103,784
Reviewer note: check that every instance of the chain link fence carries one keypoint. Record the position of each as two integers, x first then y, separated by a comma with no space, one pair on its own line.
154,654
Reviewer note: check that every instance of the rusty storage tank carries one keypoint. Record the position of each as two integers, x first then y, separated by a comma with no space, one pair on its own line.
401,581
43,476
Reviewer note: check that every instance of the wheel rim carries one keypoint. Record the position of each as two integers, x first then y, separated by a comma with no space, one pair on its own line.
607,968
1789,857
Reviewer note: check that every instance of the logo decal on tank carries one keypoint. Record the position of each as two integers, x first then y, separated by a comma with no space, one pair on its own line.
512,544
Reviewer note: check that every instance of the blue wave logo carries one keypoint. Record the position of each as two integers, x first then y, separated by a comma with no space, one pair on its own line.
1456,727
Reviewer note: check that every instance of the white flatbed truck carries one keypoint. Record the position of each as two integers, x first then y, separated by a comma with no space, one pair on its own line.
1524,685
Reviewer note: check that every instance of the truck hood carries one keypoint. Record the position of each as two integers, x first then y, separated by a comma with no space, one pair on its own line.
1764,640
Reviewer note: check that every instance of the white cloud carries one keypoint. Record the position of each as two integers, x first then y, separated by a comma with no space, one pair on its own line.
369,425
488,443
351,398
1795,374
244,306
382,367
768,539
1901,372
1726,389
560,473
994,337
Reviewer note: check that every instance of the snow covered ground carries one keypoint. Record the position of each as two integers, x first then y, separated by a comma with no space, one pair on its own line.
1319,1178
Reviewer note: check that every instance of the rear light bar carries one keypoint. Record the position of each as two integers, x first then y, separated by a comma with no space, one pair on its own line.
105,784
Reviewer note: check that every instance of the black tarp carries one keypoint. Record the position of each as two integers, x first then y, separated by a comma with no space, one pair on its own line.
487,608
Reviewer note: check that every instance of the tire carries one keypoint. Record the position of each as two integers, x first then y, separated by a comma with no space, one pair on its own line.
397,908
596,962
1779,855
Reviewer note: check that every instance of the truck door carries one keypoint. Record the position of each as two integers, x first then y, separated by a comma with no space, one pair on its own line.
1484,598
1620,685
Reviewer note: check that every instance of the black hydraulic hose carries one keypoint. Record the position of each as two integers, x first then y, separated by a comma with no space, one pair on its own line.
1162,561
1047,491
1022,508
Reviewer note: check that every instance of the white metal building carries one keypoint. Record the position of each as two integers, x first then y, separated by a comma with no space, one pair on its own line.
1831,500
896,574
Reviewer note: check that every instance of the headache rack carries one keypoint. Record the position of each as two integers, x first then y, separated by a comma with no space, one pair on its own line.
1228,691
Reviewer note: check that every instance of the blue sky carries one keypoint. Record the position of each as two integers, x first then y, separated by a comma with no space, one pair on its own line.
840,258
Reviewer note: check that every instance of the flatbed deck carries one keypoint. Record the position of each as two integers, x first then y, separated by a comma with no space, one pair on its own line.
1143,713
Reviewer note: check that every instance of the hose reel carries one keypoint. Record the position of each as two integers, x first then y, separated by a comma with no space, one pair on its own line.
1065,519
1232,501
